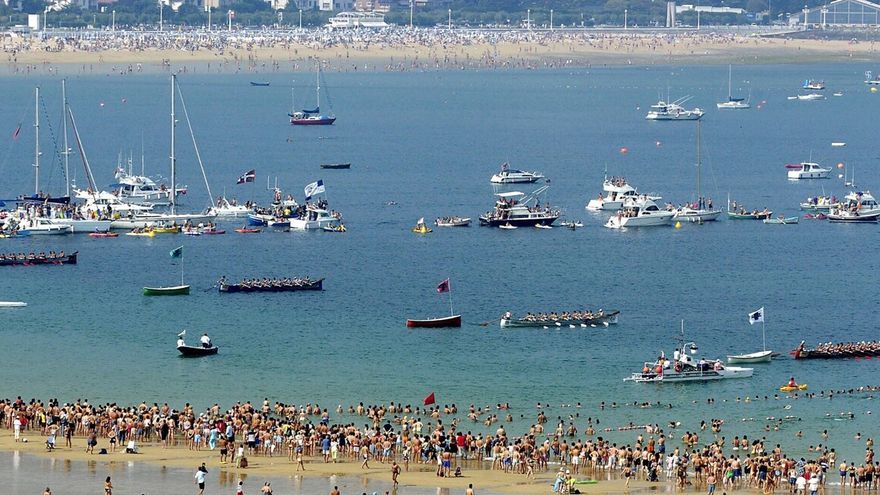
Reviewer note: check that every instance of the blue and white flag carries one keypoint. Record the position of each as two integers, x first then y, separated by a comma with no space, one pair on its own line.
314,188
757,316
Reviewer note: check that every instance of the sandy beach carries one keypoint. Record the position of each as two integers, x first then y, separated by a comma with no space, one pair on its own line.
418,475
430,52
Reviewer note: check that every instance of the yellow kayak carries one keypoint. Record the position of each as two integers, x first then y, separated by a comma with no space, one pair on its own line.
167,230
149,233
786,388
421,230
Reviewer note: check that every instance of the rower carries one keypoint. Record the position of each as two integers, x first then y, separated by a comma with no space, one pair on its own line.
206,341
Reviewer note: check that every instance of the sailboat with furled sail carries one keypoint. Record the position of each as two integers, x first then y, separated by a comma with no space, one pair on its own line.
732,103
451,321
763,356
313,116
700,210
175,290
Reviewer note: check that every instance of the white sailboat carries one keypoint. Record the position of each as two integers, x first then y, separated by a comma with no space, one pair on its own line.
699,211
172,216
732,103
762,356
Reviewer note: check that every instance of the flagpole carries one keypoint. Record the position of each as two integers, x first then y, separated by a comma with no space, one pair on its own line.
763,334
181,267
451,312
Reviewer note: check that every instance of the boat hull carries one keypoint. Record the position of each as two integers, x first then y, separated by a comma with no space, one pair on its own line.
688,215
447,322
519,222
179,290
232,288
748,216
83,226
782,221
870,217
754,357
64,260
315,121
814,354
655,220
192,351
609,318
12,304
336,166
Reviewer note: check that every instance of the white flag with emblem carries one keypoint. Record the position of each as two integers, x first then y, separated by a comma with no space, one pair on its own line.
757,316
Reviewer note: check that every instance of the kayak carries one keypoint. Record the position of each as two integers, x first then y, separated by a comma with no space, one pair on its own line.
245,230
786,388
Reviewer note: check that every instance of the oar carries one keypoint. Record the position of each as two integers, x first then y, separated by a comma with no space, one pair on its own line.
487,323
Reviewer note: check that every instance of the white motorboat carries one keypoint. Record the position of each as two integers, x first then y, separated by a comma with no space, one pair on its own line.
225,209
509,175
82,225
808,97
640,212
103,203
684,368
702,209
808,170
814,85
871,80
819,203
542,226
12,304
732,103
520,210
314,217
42,226
861,201
673,111
615,191
140,189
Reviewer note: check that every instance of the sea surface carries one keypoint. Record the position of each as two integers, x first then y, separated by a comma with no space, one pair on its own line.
429,141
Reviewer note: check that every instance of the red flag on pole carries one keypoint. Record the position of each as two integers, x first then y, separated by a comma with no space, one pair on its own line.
443,286
429,399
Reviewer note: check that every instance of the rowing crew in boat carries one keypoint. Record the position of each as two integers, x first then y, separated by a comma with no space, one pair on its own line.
31,256
565,316
838,350
249,283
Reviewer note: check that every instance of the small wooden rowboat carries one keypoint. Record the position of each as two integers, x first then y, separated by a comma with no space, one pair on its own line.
69,259
453,321
196,351
177,290
760,215
782,221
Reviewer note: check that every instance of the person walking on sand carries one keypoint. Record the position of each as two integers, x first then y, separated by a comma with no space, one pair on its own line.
395,472
201,474
335,491
365,455
299,459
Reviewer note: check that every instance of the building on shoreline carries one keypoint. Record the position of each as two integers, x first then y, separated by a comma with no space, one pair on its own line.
859,13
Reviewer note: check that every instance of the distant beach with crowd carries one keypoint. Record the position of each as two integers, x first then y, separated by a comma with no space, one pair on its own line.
402,49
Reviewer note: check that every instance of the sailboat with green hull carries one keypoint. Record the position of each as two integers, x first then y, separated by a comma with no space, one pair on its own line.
176,290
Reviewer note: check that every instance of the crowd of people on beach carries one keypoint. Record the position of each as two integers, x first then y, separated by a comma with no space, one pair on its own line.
397,435
434,47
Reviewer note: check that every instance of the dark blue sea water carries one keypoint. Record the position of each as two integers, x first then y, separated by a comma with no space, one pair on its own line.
430,141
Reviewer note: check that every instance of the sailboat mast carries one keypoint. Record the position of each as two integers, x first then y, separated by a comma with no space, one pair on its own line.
763,333
699,136
318,85
37,141
729,82
64,124
173,158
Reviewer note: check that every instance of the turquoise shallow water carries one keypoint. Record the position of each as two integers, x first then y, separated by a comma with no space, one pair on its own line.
430,141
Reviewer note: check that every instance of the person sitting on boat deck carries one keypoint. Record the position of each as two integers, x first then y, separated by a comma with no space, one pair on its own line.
180,342
792,383
206,341
717,366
